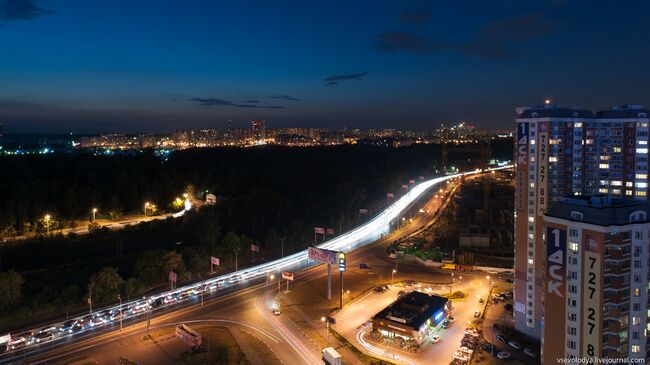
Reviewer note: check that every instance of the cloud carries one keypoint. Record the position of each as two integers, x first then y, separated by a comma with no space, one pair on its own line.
284,97
396,41
251,101
496,40
221,102
415,17
334,79
11,10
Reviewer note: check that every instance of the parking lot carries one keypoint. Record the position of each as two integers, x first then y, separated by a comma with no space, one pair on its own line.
353,322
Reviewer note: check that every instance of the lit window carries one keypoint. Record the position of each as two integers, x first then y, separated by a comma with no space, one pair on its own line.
603,165
617,183
604,182
603,191
532,141
636,290
643,142
552,159
642,150
617,149
641,185
628,192
577,125
573,246
531,219
636,349
640,193
641,176
629,184
531,261
616,191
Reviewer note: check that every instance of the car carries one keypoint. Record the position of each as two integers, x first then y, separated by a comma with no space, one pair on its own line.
331,320
481,300
67,325
435,339
43,337
17,343
445,324
276,311
530,352
477,314
157,303
503,355
85,320
502,338
363,265
97,321
409,282
451,319
400,293
514,344
50,328
169,299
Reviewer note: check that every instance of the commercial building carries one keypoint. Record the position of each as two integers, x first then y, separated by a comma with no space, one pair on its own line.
568,151
412,317
596,287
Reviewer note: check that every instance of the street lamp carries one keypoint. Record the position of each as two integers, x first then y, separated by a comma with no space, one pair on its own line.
47,223
94,212
146,205
392,276
327,328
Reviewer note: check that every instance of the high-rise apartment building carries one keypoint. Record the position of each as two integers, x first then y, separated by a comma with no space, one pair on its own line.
596,288
564,152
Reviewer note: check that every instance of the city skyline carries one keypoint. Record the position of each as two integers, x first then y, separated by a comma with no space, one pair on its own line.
165,66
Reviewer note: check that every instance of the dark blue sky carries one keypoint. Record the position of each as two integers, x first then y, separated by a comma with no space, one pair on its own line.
90,66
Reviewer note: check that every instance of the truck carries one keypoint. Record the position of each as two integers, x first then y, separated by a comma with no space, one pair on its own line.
331,356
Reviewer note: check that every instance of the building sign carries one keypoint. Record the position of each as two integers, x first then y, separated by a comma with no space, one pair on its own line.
556,249
322,255
522,165
542,168
287,275
591,303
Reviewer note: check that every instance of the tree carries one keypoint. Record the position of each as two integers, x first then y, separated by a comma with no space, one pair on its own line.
132,287
153,266
114,209
11,284
231,241
209,230
106,283
272,239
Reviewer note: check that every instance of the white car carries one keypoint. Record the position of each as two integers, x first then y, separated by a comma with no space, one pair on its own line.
435,339
514,344
530,352
503,355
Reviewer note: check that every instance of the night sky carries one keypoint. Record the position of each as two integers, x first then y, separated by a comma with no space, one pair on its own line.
150,66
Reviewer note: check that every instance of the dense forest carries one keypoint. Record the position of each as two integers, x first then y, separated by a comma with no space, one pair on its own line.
267,195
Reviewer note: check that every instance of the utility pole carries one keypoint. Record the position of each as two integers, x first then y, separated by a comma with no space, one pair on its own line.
90,296
282,246
341,296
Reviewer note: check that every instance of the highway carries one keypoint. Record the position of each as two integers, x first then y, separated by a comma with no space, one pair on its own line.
170,305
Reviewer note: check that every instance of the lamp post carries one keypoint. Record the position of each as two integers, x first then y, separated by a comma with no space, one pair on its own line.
119,297
94,212
392,276
327,329
47,223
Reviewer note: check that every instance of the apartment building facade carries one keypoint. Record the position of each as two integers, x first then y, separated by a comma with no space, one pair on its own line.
561,152
596,288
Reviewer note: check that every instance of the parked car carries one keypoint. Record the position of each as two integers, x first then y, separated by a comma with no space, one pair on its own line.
502,338
530,352
276,311
477,314
451,319
435,339
503,355
67,326
514,344
481,300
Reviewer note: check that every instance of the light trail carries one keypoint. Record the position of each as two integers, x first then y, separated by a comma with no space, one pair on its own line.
360,236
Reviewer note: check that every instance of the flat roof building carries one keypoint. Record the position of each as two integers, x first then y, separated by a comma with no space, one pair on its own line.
412,317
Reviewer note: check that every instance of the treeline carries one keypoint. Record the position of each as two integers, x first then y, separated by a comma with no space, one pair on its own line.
270,196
